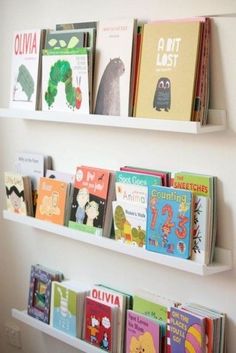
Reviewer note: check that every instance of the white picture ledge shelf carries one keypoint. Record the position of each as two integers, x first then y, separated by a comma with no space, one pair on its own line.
51,331
216,118
223,257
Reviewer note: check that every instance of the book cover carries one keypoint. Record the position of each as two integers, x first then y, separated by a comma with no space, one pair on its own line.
39,299
169,221
100,324
52,200
137,178
18,193
111,296
167,73
67,307
142,333
130,223
113,69
65,80
26,69
187,332
89,199
164,175
65,39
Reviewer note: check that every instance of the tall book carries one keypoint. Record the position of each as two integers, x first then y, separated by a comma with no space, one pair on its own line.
169,221
89,202
26,69
113,75
168,70
142,333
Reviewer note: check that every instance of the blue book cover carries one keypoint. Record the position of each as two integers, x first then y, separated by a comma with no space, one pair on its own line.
169,221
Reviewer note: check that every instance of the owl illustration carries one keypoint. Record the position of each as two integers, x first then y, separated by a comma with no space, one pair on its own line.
162,96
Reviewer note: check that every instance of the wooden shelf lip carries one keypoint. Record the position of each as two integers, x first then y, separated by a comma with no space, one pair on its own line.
223,257
51,331
217,121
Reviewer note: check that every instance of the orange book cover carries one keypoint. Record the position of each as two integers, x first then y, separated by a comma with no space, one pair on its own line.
52,198
168,67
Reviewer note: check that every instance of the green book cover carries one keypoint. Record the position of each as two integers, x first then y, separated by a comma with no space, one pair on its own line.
151,309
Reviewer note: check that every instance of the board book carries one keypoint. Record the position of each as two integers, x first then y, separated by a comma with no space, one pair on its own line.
25,83
169,221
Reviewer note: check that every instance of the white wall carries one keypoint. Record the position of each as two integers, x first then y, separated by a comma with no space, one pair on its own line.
21,246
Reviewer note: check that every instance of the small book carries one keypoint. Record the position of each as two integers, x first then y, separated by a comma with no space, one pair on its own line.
52,200
25,85
100,324
67,307
39,299
19,193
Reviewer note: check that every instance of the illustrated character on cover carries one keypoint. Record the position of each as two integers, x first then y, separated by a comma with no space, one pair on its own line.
144,343
82,199
92,212
24,85
108,96
93,328
105,343
15,197
162,96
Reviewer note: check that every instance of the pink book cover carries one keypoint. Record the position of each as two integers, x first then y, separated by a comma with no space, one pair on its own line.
142,333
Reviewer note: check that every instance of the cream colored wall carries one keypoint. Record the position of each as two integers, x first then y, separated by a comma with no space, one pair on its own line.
69,145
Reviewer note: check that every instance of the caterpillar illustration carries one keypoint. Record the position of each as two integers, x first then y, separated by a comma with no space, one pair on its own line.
62,72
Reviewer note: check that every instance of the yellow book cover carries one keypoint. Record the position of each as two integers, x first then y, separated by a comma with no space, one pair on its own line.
52,198
167,72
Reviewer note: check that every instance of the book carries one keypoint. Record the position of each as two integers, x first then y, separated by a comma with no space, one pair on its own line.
130,223
67,307
187,331
168,68
52,200
136,178
142,333
18,190
89,199
164,175
169,221
39,299
65,80
113,75
202,186
65,39
25,86
34,165
100,324
111,296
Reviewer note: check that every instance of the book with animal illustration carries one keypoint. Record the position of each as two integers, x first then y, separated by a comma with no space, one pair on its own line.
100,324
130,223
204,222
25,83
111,296
168,70
169,221
89,199
187,331
18,190
113,67
52,200
67,307
65,80
39,299
142,333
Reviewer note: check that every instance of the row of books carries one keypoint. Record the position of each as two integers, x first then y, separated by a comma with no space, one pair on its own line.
115,67
169,213
119,322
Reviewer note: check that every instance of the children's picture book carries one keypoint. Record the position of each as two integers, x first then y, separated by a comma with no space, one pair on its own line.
18,190
204,223
187,331
111,296
100,324
89,199
39,299
164,175
169,221
130,223
65,80
26,69
168,70
67,307
136,178
52,200
65,39
113,75
142,333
